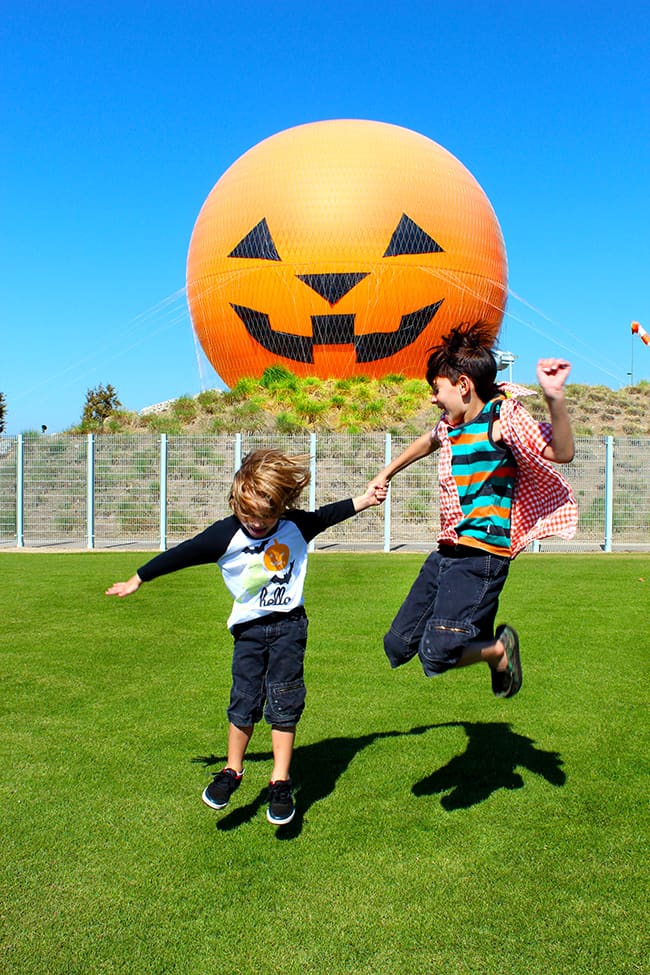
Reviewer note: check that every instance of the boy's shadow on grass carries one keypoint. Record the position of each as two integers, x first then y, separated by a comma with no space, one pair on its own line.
315,769
490,762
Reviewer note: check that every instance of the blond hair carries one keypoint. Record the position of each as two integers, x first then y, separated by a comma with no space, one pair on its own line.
268,483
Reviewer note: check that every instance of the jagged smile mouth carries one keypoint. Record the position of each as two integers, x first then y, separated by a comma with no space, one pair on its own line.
336,329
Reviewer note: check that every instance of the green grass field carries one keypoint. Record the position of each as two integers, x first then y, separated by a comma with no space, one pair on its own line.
440,831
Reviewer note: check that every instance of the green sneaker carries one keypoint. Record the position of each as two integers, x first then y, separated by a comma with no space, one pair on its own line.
507,683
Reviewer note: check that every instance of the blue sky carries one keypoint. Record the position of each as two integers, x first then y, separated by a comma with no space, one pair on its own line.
118,118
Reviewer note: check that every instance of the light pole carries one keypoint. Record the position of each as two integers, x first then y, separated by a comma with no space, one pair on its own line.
505,360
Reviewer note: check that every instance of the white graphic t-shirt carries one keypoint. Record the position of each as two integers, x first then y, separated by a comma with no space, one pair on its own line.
264,575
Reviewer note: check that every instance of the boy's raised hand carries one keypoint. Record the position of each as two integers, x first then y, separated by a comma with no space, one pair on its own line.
552,374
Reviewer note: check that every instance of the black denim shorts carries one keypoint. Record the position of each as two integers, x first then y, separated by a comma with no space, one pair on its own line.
268,670
452,603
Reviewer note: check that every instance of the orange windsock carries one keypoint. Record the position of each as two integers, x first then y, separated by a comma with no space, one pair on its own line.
641,332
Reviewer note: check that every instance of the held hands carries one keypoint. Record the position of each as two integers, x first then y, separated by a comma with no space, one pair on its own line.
125,588
375,495
552,374
378,492
379,486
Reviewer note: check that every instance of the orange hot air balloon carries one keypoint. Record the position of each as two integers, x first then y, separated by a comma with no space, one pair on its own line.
342,248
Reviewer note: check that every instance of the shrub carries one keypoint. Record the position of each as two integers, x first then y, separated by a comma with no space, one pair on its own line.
185,409
309,408
101,403
162,423
242,390
287,422
248,416
278,377
209,400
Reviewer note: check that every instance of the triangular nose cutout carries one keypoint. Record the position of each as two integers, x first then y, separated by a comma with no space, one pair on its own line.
332,287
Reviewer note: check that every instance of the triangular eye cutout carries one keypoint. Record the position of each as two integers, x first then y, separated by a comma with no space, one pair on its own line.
257,243
408,238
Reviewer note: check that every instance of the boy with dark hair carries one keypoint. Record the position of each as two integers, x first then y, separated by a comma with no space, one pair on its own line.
261,550
498,492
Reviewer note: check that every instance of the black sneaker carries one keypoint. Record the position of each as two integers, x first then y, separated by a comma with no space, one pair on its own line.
506,683
281,809
217,794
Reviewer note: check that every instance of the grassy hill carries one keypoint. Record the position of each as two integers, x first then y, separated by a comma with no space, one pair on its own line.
282,403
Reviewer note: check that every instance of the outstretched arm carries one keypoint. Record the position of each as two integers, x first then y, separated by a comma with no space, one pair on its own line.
422,447
375,495
552,375
125,588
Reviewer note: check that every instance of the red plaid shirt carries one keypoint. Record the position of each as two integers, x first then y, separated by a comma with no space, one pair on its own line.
543,502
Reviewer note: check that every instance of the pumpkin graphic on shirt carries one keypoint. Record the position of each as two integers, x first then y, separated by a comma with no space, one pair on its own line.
276,556
263,571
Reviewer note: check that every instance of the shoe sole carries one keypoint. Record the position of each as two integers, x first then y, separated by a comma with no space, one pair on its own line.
280,822
211,803
220,805
514,663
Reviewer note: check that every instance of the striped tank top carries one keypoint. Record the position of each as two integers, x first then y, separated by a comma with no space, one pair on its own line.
484,473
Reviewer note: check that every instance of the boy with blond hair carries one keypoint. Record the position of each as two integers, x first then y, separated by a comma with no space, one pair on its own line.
261,550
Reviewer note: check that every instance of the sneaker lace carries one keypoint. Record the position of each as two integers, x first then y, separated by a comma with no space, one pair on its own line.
281,791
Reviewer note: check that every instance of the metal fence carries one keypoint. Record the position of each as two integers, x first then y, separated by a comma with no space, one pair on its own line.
152,491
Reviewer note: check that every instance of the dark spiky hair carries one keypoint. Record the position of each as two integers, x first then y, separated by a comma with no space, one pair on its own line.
466,351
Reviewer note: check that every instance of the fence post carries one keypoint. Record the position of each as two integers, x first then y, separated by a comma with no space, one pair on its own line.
388,449
163,492
20,493
312,481
237,451
609,492
90,490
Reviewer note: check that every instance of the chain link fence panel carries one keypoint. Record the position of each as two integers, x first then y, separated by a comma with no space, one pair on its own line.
631,493
8,510
152,491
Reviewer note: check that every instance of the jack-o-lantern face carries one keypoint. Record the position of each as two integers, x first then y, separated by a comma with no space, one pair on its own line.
276,557
342,248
